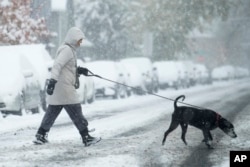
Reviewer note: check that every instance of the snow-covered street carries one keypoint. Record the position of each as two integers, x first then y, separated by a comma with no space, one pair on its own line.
132,130
134,70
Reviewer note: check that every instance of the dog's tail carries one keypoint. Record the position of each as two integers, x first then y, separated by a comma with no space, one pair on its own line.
175,102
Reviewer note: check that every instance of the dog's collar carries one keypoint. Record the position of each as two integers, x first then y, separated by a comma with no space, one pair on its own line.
217,118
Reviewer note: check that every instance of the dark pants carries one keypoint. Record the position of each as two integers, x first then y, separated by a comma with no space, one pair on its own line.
74,111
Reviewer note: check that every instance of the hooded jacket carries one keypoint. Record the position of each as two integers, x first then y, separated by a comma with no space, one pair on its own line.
64,70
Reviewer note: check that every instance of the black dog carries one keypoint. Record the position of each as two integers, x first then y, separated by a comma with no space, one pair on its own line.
203,119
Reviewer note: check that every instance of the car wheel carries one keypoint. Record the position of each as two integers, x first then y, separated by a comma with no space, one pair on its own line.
156,88
122,92
115,96
129,93
92,99
35,110
2,115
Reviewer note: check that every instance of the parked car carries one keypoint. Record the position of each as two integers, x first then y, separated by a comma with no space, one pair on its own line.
225,72
111,71
191,72
136,80
241,72
39,57
127,76
145,67
168,74
183,74
2,104
86,91
202,74
20,87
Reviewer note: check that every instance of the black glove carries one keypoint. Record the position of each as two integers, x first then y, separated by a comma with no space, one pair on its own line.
51,86
83,71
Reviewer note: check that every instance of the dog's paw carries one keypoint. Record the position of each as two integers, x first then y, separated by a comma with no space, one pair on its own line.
208,143
210,147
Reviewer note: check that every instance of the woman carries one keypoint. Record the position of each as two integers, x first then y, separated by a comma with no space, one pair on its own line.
62,90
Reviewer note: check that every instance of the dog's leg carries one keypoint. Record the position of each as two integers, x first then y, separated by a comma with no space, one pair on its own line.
210,136
173,126
206,138
184,127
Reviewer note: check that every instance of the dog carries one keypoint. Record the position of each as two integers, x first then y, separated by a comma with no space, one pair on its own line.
203,119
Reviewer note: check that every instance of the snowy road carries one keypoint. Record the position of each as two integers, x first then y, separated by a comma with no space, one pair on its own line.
132,131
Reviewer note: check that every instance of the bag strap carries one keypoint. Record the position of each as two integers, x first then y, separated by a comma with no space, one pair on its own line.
77,82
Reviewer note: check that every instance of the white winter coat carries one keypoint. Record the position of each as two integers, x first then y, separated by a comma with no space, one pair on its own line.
64,70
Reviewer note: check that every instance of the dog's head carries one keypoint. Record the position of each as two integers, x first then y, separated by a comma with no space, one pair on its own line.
227,127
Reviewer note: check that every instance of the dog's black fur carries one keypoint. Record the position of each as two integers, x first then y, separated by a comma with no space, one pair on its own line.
202,119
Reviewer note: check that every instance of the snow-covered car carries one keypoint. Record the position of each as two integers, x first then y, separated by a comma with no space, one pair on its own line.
168,74
86,91
145,67
20,87
225,72
136,80
122,68
39,57
2,104
191,72
108,70
241,72
202,74
183,74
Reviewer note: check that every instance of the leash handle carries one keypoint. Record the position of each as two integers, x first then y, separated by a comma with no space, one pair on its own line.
94,75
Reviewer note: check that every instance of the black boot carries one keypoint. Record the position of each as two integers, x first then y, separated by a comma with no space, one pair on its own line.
41,136
87,139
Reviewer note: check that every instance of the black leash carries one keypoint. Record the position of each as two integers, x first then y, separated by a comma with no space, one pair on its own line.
94,75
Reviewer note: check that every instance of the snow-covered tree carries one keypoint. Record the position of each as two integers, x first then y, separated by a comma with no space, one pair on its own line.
170,21
16,25
102,23
108,23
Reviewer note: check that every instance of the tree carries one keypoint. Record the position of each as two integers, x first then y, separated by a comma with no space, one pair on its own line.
235,34
108,22
171,21
16,25
103,24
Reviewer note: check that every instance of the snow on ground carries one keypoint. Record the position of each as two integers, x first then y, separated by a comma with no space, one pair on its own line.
13,122
111,118
241,143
